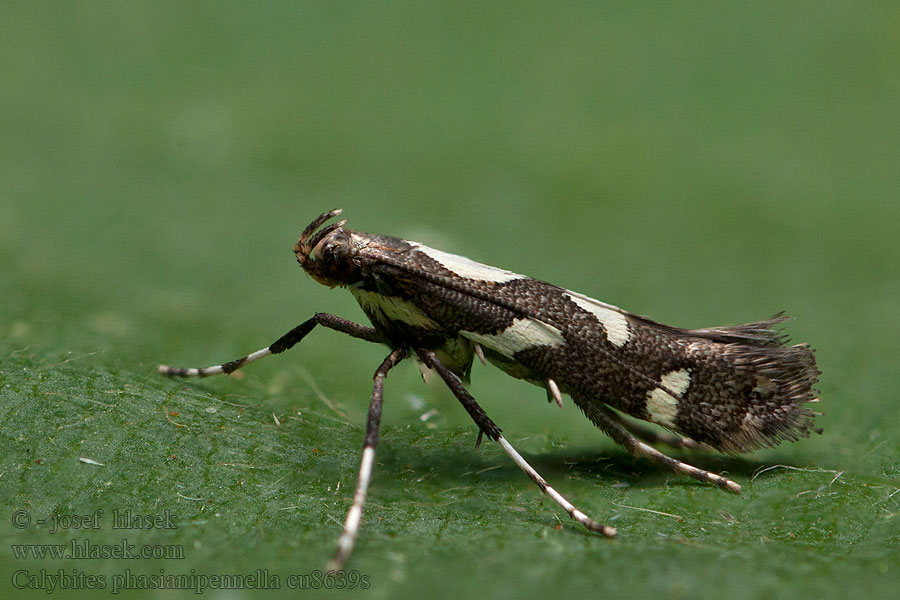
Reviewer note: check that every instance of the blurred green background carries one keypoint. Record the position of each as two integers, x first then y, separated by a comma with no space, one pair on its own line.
702,163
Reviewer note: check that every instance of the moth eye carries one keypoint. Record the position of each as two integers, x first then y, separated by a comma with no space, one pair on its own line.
332,260
324,252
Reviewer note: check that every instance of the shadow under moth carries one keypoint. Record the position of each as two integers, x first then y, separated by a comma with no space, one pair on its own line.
732,388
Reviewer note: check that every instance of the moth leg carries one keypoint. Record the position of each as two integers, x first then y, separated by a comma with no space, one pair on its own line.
484,422
610,423
553,393
283,343
652,436
354,515
488,427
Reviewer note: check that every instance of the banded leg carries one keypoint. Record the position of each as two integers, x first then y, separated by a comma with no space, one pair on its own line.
488,427
285,342
610,423
354,515
652,436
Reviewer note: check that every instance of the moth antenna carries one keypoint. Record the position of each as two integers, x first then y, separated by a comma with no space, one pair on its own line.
311,228
320,235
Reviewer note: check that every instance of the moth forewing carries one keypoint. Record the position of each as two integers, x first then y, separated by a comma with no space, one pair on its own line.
734,388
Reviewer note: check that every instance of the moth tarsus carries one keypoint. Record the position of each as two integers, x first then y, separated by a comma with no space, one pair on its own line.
732,389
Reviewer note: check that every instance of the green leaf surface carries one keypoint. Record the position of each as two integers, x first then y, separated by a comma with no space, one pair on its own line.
702,164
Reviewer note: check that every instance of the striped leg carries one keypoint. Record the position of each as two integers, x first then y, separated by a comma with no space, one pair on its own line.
610,422
354,515
283,343
487,427
652,436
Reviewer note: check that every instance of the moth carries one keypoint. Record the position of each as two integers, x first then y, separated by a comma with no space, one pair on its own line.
733,389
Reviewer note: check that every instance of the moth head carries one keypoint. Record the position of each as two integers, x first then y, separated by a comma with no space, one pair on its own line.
328,255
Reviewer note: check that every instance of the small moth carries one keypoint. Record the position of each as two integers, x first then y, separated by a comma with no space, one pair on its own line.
732,388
